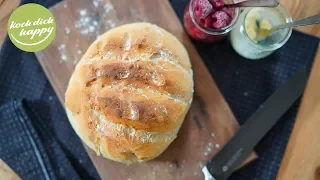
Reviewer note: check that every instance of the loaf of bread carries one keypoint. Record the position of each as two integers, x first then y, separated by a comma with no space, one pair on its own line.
130,92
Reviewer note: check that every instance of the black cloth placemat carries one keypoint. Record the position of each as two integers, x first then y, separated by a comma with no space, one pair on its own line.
22,77
245,84
28,146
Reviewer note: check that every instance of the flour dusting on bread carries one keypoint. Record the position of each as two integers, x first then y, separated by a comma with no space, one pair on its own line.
130,92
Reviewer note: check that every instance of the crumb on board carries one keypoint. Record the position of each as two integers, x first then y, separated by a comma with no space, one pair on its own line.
95,4
63,57
67,30
200,164
212,134
110,23
61,47
108,7
62,51
75,61
83,12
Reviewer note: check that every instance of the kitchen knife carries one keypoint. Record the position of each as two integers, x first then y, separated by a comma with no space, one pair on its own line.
242,143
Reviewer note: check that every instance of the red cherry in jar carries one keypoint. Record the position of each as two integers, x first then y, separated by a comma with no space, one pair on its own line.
209,20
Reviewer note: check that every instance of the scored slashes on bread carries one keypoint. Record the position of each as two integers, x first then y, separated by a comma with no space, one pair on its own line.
130,93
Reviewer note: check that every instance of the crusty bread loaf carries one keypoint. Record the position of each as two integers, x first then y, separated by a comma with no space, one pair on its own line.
130,93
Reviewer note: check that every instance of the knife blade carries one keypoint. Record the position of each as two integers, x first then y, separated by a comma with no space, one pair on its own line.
242,143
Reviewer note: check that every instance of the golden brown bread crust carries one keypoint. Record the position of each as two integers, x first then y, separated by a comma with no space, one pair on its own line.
130,93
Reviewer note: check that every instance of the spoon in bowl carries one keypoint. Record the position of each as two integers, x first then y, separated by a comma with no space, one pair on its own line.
302,22
254,3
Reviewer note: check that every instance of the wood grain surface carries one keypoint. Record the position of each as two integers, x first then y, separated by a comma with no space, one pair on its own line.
209,123
302,156
303,8
6,8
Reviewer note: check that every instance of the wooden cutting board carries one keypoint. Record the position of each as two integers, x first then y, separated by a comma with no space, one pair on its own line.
209,123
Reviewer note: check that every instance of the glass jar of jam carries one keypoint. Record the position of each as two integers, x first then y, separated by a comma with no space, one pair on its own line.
209,20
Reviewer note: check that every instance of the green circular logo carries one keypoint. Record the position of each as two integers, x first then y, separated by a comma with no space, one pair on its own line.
31,27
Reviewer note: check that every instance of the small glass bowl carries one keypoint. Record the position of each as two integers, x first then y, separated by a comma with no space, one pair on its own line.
198,32
250,49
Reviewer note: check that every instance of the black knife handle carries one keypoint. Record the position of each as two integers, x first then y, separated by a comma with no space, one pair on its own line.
243,142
